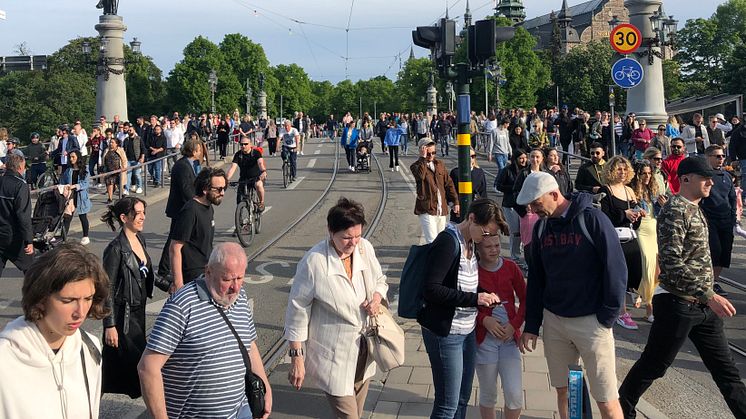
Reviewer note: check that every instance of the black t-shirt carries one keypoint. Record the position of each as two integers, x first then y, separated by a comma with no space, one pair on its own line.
195,227
248,164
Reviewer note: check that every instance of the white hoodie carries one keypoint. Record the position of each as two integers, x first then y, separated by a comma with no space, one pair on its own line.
30,373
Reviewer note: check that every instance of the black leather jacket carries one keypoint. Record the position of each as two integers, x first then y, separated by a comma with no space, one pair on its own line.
15,213
127,287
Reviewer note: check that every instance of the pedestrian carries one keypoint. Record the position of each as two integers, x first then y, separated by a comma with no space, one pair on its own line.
115,161
51,366
435,190
695,136
478,181
670,164
37,155
500,148
66,144
623,208
130,271
646,190
527,219
183,175
174,133
719,208
328,318
348,140
16,234
75,178
392,141
156,151
642,138
661,141
95,156
406,129
499,330
505,184
193,365
555,168
538,137
270,133
576,304
654,156
685,304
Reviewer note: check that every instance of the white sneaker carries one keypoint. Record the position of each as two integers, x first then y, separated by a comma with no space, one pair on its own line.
353,169
392,169
138,190
397,168
301,153
85,241
133,189
125,192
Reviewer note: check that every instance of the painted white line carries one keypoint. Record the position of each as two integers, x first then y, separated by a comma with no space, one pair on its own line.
317,152
408,180
298,180
311,163
231,229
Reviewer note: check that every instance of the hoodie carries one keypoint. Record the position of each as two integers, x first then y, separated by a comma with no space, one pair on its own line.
31,373
572,277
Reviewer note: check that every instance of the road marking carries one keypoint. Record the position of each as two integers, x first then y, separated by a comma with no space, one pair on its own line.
5,303
231,229
409,181
266,276
317,152
311,163
297,181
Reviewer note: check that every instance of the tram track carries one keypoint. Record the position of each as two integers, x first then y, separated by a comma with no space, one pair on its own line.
276,352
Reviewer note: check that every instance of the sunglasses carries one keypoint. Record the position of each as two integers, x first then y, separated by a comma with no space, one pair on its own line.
431,154
245,144
657,158
218,190
473,156
719,156
677,146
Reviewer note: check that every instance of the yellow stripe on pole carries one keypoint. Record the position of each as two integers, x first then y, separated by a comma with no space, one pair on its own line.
464,187
464,139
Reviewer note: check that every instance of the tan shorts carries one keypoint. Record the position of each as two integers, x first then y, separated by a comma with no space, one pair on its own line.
567,339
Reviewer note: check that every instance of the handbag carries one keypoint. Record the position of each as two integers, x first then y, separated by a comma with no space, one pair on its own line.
255,387
626,234
384,337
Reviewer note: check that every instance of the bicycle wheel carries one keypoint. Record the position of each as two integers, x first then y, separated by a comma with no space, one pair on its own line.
285,174
257,221
47,179
244,229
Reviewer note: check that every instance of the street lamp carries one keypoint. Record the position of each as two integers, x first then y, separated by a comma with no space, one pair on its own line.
213,81
450,92
248,98
612,103
135,45
665,32
104,63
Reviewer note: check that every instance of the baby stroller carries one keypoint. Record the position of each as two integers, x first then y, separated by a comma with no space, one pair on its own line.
363,153
46,222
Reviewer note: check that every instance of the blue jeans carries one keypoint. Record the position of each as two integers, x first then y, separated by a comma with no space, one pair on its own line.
156,171
444,144
452,360
501,160
133,176
404,140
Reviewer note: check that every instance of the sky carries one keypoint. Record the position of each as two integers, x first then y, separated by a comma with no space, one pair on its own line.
312,34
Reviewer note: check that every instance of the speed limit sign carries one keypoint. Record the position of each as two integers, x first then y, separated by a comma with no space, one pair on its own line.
625,38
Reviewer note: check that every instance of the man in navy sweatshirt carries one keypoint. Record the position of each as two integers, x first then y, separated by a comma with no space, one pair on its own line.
576,284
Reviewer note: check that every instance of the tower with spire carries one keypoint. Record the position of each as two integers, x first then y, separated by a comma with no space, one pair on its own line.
568,35
467,15
411,53
512,9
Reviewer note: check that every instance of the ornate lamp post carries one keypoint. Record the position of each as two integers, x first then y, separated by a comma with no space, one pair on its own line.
450,93
213,81
248,97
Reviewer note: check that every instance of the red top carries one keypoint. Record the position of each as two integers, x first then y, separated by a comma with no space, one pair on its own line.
642,137
670,166
507,282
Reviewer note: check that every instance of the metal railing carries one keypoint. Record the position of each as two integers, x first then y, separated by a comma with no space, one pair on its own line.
210,144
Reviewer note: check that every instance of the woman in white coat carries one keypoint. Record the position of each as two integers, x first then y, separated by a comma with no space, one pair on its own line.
338,283
50,367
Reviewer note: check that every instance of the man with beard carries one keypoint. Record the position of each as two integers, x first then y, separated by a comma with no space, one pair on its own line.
193,364
193,229
670,165
589,174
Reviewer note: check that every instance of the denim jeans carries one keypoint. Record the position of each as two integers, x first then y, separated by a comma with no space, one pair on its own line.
157,172
403,143
134,179
501,160
452,361
444,139
675,321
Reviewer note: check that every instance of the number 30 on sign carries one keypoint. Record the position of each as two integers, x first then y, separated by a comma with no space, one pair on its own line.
625,38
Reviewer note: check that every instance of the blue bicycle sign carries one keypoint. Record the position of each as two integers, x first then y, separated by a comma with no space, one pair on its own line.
627,73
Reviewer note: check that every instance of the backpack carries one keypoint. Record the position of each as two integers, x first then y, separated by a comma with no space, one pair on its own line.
412,280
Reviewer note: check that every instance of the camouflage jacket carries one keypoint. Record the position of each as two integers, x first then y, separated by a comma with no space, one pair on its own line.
684,251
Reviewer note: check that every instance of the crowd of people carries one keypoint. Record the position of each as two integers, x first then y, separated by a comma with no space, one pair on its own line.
655,224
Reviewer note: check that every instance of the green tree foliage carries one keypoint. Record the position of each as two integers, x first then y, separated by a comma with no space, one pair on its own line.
710,51
378,93
187,86
412,83
584,74
344,98
672,79
248,61
321,91
295,87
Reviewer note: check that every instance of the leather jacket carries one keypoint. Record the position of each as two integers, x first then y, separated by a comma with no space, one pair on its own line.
127,287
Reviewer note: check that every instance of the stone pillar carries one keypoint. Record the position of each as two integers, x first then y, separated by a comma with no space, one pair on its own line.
432,100
111,91
647,100
262,102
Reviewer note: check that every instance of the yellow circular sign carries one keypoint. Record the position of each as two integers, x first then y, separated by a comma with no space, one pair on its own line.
625,38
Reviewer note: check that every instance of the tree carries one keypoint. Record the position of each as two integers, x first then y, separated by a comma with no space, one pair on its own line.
376,93
247,60
344,98
295,87
412,83
187,86
672,79
321,91
584,74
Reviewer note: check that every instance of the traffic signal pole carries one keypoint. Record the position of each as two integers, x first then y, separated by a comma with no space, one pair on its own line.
463,139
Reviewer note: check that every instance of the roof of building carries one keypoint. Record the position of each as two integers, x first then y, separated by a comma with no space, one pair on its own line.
581,15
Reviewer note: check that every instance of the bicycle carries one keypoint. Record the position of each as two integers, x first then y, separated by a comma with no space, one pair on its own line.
48,178
284,154
248,216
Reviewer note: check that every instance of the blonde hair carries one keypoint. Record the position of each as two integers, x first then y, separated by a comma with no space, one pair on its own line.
609,172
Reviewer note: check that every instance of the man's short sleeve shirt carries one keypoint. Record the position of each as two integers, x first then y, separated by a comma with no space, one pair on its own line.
248,164
195,227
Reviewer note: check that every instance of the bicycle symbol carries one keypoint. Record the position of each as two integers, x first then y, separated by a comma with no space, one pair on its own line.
629,73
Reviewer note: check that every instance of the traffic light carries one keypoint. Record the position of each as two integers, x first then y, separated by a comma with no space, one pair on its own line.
439,39
483,39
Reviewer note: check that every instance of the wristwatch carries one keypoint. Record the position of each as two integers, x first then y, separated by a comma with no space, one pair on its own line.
295,352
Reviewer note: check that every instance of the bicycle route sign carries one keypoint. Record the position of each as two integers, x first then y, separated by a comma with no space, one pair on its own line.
627,73
625,38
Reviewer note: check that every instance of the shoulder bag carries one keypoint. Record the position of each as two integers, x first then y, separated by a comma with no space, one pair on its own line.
626,234
255,387
384,337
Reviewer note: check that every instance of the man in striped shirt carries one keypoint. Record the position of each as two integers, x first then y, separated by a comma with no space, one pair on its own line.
192,366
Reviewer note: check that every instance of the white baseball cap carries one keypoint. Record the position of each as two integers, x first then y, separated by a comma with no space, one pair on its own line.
536,185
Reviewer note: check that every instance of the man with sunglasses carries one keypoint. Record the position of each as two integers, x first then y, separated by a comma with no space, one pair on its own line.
720,211
193,228
589,174
435,191
252,171
671,163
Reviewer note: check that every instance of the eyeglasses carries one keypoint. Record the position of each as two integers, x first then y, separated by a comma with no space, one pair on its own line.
217,189
486,233
676,146
657,158
245,144
597,153
431,154
719,156
661,129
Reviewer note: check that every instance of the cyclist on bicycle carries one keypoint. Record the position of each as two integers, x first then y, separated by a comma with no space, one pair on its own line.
290,139
252,171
